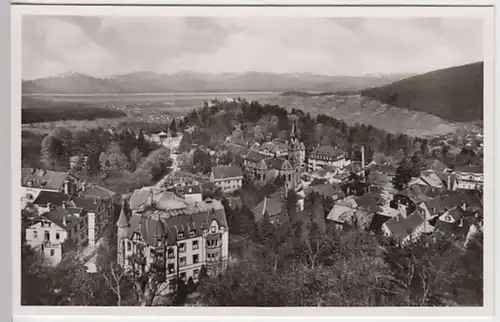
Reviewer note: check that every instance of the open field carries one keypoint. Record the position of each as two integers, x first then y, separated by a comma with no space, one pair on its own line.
151,108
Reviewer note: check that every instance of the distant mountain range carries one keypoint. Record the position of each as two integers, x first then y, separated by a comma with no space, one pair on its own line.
454,93
150,82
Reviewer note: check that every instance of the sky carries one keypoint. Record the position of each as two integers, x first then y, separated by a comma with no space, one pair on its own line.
101,46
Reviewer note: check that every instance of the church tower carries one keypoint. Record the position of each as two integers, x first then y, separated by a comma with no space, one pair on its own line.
294,155
121,235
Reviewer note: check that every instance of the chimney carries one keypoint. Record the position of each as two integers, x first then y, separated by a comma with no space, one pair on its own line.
66,187
151,197
464,206
49,206
461,222
65,223
363,161
64,204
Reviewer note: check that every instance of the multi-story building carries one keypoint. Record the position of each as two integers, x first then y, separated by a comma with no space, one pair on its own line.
326,155
466,178
228,178
57,231
178,236
33,181
98,211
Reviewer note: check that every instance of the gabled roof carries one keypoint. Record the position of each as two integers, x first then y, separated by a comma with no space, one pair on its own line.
429,179
151,225
52,197
43,179
383,168
327,190
437,166
454,199
87,203
95,191
272,205
415,194
163,199
225,172
377,221
369,202
276,163
255,157
327,150
318,182
469,169
73,217
401,227
343,210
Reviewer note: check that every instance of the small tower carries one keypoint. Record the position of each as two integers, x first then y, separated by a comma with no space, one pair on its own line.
122,231
294,156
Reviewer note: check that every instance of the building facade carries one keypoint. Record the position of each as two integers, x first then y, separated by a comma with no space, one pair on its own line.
466,178
57,231
174,235
228,178
324,156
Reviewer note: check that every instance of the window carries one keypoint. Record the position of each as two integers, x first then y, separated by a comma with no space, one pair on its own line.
183,275
57,236
182,247
52,252
182,261
196,273
195,259
171,268
180,234
170,253
213,229
129,246
195,245
47,235
35,234
171,283
192,233
49,223
43,248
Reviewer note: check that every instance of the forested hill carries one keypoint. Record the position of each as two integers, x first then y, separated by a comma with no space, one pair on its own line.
454,93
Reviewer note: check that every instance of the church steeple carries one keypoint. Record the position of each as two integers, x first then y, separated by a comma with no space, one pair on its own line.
293,134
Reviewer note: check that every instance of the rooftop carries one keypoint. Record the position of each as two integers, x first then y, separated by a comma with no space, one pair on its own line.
327,150
469,169
44,179
225,172
401,227
52,197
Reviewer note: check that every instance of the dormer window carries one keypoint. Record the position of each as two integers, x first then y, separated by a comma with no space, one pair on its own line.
192,233
213,229
180,235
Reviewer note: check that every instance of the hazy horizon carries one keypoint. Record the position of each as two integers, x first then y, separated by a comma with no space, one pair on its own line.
105,46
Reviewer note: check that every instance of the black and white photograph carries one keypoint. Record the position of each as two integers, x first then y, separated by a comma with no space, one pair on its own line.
260,160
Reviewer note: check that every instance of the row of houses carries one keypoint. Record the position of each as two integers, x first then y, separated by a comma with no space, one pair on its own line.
61,212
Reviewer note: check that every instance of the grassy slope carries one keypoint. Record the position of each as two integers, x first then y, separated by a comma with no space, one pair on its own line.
454,93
